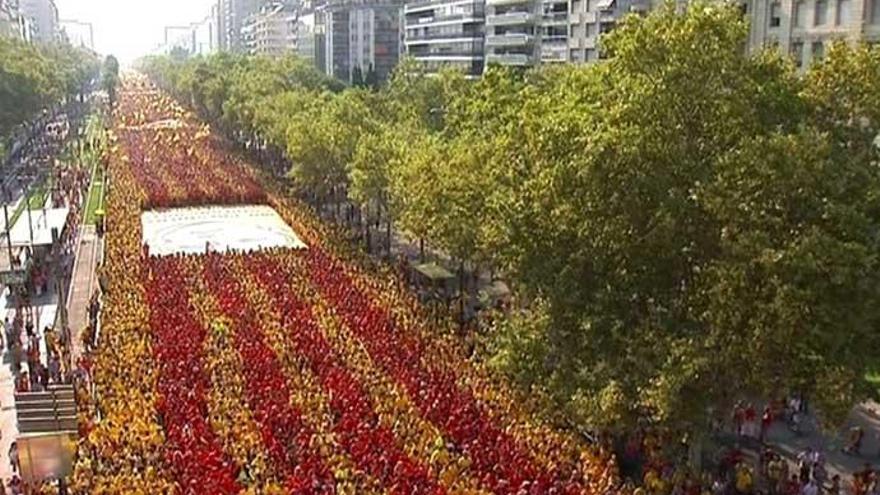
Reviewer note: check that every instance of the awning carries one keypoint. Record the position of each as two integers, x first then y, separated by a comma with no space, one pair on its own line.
605,4
497,291
434,272
43,220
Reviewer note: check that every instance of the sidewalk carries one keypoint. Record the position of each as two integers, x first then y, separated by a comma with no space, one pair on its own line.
84,282
865,415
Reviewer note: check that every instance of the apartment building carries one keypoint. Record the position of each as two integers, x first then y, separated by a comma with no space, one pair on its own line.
362,37
442,33
268,32
513,32
43,16
205,36
804,28
532,32
79,33
308,37
9,20
232,15
590,19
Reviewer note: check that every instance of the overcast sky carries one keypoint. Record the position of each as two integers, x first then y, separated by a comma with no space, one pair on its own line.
131,28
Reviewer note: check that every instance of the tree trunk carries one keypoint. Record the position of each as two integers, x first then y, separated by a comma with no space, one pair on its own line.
388,235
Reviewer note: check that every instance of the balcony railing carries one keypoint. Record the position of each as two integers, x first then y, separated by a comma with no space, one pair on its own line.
511,18
461,55
508,59
445,36
421,5
507,2
556,18
516,39
422,21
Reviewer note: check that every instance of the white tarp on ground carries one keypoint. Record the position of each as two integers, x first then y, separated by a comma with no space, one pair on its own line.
192,230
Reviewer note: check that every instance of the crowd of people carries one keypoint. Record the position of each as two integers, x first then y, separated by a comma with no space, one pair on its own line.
363,369
43,357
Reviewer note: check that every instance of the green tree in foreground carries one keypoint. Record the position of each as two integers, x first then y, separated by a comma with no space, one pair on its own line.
702,243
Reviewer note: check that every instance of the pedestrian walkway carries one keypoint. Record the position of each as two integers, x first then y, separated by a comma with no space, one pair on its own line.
831,444
84,282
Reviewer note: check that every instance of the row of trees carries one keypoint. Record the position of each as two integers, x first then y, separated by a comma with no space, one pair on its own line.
33,77
693,225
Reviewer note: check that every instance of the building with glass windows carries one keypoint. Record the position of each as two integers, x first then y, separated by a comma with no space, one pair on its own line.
446,33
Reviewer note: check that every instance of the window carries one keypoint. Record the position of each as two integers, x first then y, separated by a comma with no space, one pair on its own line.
797,53
843,12
875,11
821,12
775,15
818,50
800,14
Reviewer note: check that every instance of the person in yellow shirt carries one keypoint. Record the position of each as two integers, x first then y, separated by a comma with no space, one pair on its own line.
744,479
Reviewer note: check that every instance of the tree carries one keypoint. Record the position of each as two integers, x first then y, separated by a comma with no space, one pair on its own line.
371,80
357,78
110,78
322,139
35,77
675,228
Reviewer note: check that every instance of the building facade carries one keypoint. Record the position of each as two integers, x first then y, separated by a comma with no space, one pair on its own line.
234,14
268,32
804,28
9,20
43,16
79,33
513,29
362,39
308,38
446,33
205,36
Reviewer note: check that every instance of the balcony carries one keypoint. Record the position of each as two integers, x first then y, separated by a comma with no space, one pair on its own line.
554,50
510,19
555,19
445,37
512,39
412,22
508,2
422,5
508,59
452,56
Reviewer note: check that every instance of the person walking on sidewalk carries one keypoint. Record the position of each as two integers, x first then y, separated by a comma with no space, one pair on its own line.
13,458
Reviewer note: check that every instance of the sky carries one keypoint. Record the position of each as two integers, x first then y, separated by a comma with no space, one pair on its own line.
132,28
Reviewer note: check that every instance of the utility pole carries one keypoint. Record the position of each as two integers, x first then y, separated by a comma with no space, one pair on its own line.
27,202
6,217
